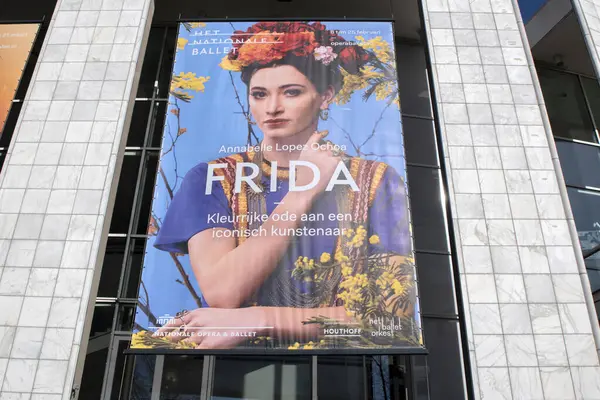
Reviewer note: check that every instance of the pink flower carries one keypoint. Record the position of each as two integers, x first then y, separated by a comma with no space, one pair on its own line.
325,54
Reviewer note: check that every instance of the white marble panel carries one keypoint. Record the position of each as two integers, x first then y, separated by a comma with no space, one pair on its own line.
557,383
526,384
494,384
489,351
521,351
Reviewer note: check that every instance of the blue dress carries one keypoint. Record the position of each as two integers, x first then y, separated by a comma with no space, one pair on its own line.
380,206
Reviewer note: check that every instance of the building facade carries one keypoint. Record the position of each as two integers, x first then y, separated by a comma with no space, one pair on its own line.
502,151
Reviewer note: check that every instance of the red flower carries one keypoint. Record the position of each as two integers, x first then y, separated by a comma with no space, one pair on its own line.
353,58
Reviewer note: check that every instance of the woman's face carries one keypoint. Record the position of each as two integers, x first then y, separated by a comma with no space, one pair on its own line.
284,102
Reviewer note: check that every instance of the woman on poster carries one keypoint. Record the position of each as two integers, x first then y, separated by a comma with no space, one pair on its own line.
284,264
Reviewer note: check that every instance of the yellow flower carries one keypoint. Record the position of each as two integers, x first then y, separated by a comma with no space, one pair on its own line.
181,42
398,288
230,65
137,340
374,239
188,81
325,258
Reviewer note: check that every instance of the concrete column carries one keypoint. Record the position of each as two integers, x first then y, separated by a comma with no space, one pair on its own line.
57,188
530,327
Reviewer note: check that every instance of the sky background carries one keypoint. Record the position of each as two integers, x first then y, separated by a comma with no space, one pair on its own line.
213,119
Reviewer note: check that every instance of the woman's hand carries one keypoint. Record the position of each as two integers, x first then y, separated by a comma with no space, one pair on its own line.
323,159
221,328
217,328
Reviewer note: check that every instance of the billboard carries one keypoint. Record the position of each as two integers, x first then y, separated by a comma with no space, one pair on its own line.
280,219
16,41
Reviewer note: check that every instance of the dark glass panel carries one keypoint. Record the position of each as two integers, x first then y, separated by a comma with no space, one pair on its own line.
102,320
592,93
134,268
146,192
158,123
182,378
125,193
412,80
436,284
580,163
30,11
123,372
143,375
9,125
592,263
444,359
139,123
166,66
566,105
429,224
586,211
112,267
419,378
93,373
398,385
151,62
264,377
125,318
419,141
2,157
343,377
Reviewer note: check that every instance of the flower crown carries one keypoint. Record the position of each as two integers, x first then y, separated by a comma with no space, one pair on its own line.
266,42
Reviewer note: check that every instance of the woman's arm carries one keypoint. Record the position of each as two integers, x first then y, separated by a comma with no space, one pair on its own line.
284,323
228,275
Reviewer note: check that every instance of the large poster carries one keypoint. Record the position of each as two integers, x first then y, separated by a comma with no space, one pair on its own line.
280,220
16,41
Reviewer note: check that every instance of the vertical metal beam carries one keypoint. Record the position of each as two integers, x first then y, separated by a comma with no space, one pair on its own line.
313,382
208,376
157,377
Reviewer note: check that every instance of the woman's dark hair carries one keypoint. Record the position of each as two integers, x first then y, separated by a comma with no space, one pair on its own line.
321,75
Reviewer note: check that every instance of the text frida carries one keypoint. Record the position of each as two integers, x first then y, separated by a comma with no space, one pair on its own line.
341,176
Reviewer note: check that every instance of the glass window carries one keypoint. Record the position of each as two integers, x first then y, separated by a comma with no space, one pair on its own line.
151,62
164,77
412,80
158,123
342,377
125,193
143,375
112,267
134,268
123,371
427,209
436,284
265,377
566,105
125,318
586,211
93,372
139,123
592,93
444,359
181,378
145,193
102,319
580,163
420,141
